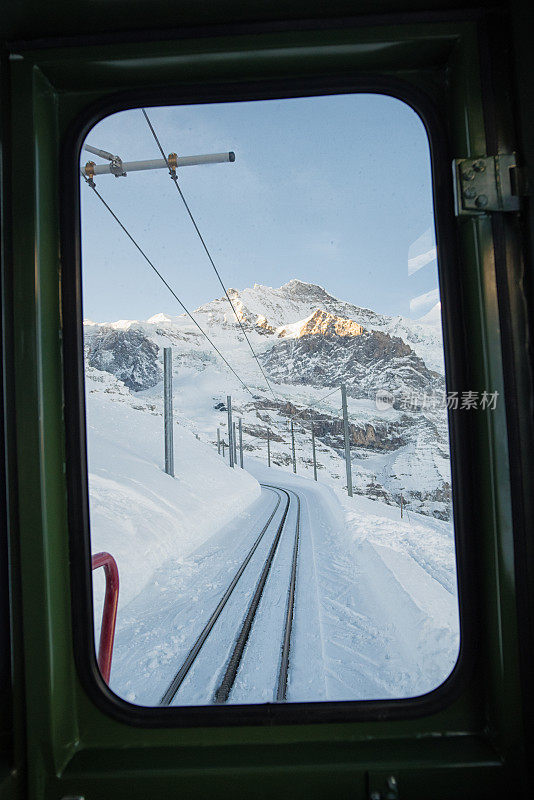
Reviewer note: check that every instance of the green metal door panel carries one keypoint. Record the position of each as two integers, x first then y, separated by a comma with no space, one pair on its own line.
38,400
74,747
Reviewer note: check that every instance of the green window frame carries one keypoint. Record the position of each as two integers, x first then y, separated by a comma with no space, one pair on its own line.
84,741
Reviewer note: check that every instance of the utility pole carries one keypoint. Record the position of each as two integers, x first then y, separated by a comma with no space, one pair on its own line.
293,448
314,459
167,411
240,442
347,442
234,440
268,447
218,441
230,428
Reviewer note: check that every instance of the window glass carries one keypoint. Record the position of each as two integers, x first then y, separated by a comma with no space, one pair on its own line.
267,414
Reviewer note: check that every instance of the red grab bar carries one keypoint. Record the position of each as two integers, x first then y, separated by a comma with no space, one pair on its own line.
109,612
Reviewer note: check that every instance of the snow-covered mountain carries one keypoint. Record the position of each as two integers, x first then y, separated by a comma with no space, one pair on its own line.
308,343
264,307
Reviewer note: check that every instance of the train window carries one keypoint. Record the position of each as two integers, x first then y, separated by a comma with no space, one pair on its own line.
268,465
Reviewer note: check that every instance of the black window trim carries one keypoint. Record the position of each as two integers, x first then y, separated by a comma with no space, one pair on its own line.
456,373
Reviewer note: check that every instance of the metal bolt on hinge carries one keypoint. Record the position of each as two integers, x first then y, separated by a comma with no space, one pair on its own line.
488,183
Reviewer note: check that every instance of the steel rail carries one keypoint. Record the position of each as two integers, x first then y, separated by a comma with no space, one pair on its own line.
281,691
179,678
223,692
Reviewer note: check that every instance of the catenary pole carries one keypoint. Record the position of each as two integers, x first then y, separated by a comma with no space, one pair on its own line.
234,439
219,441
314,459
347,442
230,428
293,447
167,410
268,447
240,442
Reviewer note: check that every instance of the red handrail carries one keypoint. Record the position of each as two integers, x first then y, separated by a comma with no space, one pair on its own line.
109,612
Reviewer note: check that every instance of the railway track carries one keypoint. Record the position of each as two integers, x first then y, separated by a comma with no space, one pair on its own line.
285,497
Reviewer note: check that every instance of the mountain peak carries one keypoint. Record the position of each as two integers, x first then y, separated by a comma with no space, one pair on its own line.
325,324
321,323
160,319
298,288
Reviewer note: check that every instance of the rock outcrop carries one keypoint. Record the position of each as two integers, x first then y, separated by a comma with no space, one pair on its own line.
128,354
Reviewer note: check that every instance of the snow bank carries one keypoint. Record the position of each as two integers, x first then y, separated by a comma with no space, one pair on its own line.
139,514
426,540
411,565
386,594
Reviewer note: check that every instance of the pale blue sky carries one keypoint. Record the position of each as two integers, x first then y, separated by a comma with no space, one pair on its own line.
330,190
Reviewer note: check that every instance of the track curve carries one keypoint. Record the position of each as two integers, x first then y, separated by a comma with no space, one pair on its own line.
234,661
180,676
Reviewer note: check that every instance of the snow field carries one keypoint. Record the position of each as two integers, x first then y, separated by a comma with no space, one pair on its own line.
162,623
375,617
140,515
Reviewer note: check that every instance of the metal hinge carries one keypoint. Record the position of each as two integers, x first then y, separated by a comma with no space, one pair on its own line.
488,183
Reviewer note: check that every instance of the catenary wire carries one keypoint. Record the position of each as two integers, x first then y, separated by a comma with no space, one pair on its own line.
174,177
312,405
160,276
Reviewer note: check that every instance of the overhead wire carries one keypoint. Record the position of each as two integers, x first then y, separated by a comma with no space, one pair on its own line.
174,178
172,174
160,276
317,402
